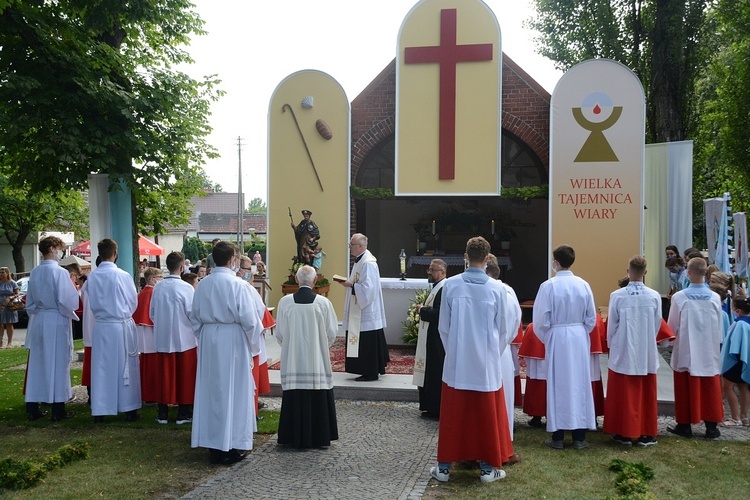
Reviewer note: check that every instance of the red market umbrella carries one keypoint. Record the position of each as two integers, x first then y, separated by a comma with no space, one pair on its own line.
145,247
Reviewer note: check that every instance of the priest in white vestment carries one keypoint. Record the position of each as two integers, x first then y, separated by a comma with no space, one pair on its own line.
697,320
306,328
633,322
175,343
364,315
227,324
51,303
564,315
475,329
115,373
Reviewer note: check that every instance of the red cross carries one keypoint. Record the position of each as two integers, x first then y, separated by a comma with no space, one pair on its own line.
448,55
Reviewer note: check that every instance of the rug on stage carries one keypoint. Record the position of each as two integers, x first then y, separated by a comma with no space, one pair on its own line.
402,358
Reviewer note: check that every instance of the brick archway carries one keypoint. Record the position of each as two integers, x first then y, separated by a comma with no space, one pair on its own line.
369,141
525,133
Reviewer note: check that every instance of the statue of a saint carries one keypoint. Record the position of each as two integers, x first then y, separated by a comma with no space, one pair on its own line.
307,235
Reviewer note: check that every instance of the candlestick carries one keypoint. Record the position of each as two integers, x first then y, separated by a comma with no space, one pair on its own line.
433,226
493,226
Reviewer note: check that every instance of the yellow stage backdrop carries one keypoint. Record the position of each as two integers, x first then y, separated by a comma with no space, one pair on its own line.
596,171
448,99
308,169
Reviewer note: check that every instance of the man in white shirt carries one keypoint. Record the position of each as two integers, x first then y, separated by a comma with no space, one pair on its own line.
564,315
633,322
474,327
115,374
226,322
175,342
364,315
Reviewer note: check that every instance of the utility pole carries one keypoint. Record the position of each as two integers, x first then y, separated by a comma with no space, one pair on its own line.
240,208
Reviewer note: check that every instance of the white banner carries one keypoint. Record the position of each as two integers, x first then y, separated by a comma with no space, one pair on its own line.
715,210
740,241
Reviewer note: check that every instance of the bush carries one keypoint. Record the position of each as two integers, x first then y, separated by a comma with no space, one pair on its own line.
19,475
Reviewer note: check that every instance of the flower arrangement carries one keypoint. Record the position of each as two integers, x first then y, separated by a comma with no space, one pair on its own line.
411,323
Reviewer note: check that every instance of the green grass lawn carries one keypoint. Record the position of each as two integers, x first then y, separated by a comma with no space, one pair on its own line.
683,468
128,460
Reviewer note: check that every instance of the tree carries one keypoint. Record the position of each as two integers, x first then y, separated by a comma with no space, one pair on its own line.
194,249
658,39
257,206
90,86
28,211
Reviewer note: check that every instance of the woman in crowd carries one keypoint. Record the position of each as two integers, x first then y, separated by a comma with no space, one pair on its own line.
8,292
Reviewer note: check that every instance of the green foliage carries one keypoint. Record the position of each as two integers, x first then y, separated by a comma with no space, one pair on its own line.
411,323
525,193
632,479
659,40
90,86
26,211
358,193
257,206
23,474
194,249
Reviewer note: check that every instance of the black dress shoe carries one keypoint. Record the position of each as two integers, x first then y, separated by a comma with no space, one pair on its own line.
536,422
366,378
232,457
132,416
683,430
64,416
214,456
37,415
712,433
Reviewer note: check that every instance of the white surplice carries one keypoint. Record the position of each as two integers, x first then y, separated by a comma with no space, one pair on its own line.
474,326
697,320
513,321
171,304
305,333
225,319
366,279
51,301
564,314
633,322
115,375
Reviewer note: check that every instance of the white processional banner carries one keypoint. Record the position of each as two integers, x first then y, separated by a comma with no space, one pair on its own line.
596,170
715,210
740,244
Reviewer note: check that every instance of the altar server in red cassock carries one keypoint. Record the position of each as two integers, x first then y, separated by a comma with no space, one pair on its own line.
535,396
175,342
145,327
474,329
696,319
633,323
598,346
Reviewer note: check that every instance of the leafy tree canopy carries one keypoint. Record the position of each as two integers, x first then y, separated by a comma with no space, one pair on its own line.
257,206
90,86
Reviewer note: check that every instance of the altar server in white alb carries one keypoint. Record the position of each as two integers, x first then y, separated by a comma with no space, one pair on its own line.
364,315
475,330
697,320
306,328
175,342
633,323
51,303
227,324
564,315
115,374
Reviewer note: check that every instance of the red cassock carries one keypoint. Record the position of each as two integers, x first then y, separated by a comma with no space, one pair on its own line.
176,377
459,441
149,362
598,340
518,393
260,371
535,397
631,410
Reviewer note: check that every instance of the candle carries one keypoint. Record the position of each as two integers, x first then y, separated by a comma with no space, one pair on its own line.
417,245
433,226
493,226
403,266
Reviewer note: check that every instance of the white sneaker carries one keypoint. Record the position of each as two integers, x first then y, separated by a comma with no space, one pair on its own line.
184,420
493,475
441,475
161,421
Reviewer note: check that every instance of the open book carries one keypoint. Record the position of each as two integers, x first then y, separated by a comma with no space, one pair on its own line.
338,278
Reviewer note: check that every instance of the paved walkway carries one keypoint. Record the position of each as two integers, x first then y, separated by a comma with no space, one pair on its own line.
384,450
